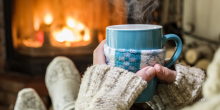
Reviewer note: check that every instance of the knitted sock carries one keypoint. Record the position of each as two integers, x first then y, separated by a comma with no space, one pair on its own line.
62,81
28,99
134,60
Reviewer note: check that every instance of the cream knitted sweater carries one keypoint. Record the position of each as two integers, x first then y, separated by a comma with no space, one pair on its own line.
106,87
111,88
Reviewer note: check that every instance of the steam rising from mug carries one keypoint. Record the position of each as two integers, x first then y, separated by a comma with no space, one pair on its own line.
139,10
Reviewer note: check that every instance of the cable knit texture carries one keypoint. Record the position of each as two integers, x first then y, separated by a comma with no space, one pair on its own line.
105,87
183,91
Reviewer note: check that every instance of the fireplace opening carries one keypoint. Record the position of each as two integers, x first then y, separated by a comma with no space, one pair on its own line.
39,30
52,27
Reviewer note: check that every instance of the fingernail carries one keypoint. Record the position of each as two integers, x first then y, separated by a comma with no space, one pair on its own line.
150,72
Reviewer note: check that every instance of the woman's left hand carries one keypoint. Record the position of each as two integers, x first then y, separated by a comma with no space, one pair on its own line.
146,73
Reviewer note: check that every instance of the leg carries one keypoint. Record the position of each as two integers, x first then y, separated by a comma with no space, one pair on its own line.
28,99
62,81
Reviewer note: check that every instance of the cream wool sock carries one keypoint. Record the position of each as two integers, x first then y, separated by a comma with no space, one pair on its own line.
62,81
28,99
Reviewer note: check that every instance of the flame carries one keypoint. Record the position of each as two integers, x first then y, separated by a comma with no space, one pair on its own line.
74,31
48,19
80,26
59,37
66,35
70,22
86,37
36,23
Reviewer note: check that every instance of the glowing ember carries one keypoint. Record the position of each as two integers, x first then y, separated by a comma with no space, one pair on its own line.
40,37
48,19
31,43
35,43
70,22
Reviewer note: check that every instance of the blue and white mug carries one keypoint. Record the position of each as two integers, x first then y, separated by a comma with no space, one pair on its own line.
135,46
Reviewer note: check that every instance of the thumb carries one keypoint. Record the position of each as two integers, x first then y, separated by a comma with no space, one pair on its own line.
165,74
147,73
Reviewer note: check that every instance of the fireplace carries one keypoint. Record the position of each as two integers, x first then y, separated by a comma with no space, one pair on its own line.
36,31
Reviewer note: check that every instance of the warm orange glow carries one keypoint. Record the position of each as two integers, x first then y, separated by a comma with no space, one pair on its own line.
80,26
67,35
30,43
59,37
36,23
74,33
86,37
48,19
68,44
71,22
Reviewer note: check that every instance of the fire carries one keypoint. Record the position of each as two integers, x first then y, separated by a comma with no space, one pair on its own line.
70,22
80,26
66,35
86,37
48,19
74,31
36,23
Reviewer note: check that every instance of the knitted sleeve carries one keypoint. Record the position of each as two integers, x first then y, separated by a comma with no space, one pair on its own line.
105,87
183,91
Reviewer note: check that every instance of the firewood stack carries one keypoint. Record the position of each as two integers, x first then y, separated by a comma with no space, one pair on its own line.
198,55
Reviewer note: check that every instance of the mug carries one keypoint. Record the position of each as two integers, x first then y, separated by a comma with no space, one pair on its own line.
144,43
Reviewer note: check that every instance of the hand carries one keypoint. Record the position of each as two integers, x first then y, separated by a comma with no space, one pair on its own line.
146,73
98,54
165,74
